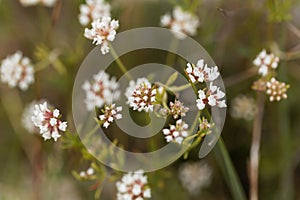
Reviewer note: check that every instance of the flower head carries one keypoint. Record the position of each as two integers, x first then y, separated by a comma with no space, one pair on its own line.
16,70
182,23
195,176
265,62
205,126
201,72
141,95
92,10
177,109
102,31
213,97
176,132
26,121
133,186
48,3
243,107
48,121
110,113
100,90
276,90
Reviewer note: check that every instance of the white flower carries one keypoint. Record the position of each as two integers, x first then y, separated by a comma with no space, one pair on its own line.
276,90
176,133
48,121
133,186
102,31
176,109
213,97
86,174
183,23
201,72
265,62
100,90
195,176
243,107
48,3
17,70
26,117
110,113
92,10
141,95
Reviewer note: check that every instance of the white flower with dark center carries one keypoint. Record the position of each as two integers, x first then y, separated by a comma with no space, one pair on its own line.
100,90
110,113
92,10
48,3
276,90
265,62
176,133
182,22
201,72
243,107
195,176
17,71
103,31
48,121
213,97
141,95
133,186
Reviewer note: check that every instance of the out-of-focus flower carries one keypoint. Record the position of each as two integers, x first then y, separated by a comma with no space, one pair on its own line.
48,3
141,95
195,176
48,121
259,85
92,10
201,72
85,174
213,97
276,90
16,70
133,186
110,113
100,90
176,132
103,30
243,107
265,62
182,23
176,109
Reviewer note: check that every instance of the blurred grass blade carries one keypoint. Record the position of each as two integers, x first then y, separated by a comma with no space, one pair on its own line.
229,173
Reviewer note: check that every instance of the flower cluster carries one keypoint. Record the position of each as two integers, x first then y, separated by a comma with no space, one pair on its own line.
265,62
182,22
243,107
141,95
201,72
276,90
16,70
195,176
213,97
133,186
176,133
48,121
177,109
110,113
100,90
48,3
29,111
103,30
93,10
205,126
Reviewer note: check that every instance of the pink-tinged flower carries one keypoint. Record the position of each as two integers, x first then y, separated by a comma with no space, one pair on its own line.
276,90
182,22
100,90
176,109
92,10
213,97
48,121
141,95
176,133
110,113
133,186
103,30
201,72
265,62
48,3
17,71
